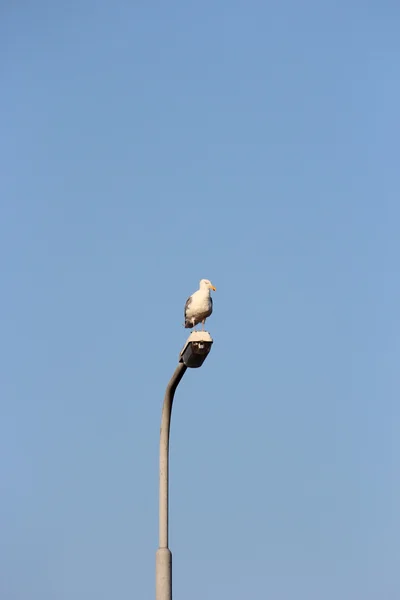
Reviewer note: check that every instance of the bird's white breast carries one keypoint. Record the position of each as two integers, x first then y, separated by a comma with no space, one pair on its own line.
200,303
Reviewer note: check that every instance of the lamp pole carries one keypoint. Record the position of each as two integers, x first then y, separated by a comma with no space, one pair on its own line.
193,355
164,555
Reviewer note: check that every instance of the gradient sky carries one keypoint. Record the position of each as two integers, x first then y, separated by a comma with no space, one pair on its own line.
145,145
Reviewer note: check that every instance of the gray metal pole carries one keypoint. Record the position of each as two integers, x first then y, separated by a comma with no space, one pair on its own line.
163,554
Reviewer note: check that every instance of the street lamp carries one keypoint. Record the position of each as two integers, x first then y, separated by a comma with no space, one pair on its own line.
193,354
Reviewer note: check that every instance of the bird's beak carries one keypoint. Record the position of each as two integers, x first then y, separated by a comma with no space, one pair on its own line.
212,287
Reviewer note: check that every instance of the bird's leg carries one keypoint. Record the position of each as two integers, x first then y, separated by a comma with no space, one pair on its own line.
202,324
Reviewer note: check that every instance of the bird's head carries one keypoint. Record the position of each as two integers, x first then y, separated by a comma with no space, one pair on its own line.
205,284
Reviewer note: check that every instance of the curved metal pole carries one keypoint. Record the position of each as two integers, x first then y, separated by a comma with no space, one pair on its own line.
163,555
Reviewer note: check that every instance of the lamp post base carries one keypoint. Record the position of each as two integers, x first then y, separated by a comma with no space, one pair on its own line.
163,574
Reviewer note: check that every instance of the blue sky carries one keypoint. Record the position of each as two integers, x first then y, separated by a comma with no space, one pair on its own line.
145,146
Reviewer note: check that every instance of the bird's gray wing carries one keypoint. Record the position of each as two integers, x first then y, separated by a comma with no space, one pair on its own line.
188,303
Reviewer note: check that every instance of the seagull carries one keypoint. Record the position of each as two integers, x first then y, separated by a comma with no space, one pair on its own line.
199,305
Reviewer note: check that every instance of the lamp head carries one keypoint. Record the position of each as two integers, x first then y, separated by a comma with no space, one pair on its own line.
196,349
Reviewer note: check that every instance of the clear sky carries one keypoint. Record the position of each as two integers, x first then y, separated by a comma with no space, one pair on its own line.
145,145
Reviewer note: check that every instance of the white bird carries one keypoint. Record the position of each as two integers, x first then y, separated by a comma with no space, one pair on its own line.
199,305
